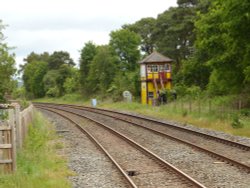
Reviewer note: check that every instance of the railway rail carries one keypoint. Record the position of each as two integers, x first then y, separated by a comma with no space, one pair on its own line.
149,162
214,146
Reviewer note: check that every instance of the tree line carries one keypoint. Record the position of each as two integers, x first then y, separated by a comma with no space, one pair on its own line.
208,40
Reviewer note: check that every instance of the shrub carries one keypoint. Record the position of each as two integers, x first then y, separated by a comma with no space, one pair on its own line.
184,113
236,123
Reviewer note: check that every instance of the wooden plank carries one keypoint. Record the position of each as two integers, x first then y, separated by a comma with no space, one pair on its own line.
5,152
5,146
7,161
13,140
5,128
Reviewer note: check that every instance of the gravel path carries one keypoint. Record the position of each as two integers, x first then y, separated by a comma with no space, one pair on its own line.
92,168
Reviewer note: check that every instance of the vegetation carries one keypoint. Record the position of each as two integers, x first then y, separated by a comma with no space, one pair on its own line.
231,123
38,165
207,39
7,69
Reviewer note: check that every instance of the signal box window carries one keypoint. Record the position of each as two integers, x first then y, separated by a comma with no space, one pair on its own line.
154,68
161,68
167,67
149,68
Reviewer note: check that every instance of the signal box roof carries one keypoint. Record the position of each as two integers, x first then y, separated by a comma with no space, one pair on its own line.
156,57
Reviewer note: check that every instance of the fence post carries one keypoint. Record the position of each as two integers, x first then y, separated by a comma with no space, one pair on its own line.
18,126
209,106
182,105
13,138
240,105
199,106
190,105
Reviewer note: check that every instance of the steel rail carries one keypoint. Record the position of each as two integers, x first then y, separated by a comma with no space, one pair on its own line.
91,137
205,135
209,152
138,146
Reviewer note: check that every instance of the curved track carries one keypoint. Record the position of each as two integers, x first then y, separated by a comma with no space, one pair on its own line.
158,167
234,153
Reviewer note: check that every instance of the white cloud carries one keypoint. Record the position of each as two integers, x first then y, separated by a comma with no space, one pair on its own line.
51,25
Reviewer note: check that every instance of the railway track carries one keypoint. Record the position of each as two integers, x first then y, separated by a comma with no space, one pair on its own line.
138,165
224,162
235,153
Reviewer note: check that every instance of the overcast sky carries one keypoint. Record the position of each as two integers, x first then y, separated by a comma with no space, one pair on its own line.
53,25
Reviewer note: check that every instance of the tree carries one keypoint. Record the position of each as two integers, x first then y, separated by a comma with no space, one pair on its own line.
71,84
125,43
59,58
7,63
34,57
102,71
64,72
33,78
144,28
88,53
174,34
50,83
222,43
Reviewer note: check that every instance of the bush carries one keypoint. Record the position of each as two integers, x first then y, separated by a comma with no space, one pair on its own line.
53,92
180,89
245,112
236,123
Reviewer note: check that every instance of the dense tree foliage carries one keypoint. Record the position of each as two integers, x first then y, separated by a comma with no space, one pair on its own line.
45,74
125,44
58,59
33,78
223,44
87,55
7,69
145,28
102,71
174,34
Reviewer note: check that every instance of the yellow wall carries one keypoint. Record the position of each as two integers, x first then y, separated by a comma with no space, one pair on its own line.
168,75
149,86
153,75
143,93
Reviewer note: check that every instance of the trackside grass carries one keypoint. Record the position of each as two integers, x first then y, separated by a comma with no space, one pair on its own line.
209,121
38,164
212,117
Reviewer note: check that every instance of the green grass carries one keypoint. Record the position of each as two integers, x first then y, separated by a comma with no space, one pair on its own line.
203,120
215,114
38,165
66,99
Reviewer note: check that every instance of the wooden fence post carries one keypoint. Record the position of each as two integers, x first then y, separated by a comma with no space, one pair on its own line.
199,106
190,106
18,126
209,106
13,138
240,104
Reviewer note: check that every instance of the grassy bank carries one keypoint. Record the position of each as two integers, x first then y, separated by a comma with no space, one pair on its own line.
176,113
66,99
38,165
216,114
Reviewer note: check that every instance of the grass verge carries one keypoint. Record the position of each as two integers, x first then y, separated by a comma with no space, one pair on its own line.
38,165
209,121
218,116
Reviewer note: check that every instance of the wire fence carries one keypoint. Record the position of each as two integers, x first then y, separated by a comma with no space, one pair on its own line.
203,107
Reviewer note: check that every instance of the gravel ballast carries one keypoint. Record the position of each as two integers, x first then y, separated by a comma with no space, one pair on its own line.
90,166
